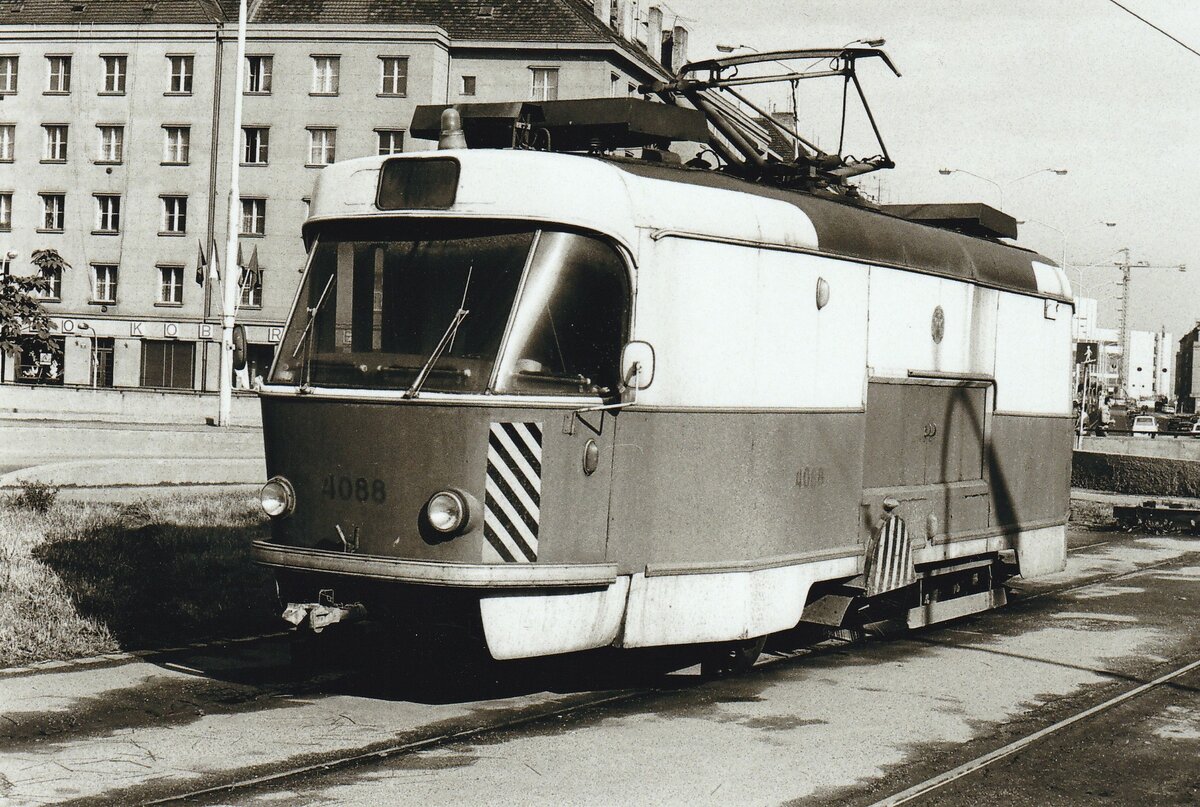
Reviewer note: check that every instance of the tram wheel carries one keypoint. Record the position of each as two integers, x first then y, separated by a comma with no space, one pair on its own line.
730,658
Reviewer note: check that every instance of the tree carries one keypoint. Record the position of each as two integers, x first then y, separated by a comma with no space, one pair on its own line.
23,319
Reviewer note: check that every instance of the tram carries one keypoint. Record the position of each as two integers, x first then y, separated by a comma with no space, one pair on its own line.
569,398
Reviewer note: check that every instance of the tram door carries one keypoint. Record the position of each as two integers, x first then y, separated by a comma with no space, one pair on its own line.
924,447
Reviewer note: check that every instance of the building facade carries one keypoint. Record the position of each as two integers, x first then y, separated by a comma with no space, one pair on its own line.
116,144
1151,359
1187,371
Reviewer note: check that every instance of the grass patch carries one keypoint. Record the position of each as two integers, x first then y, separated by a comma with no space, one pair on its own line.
1091,515
85,578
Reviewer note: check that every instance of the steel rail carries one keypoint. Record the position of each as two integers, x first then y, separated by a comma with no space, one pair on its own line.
983,761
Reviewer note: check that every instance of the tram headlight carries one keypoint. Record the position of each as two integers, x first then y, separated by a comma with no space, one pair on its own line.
277,497
448,512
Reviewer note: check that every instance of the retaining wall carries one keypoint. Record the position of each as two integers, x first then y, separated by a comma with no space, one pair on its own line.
1138,475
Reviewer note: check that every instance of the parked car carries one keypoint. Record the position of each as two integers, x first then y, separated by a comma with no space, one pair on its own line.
1168,409
1145,424
1196,427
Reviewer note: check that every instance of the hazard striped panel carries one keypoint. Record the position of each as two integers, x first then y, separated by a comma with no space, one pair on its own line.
889,563
513,502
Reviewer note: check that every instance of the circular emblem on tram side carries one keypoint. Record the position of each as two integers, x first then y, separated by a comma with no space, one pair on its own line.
939,325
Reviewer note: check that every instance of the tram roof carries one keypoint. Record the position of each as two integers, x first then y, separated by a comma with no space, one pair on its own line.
621,197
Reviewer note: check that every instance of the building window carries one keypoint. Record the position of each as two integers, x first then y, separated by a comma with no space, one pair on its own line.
41,364
181,74
115,73
545,83
391,141
8,138
322,146
307,202
53,277
108,213
53,207
255,141
6,210
58,75
254,217
252,289
168,363
8,75
258,75
174,218
104,283
325,75
54,143
468,85
170,285
177,145
395,75
112,144
614,85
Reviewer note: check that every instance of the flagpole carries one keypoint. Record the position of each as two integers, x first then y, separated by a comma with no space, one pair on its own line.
229,282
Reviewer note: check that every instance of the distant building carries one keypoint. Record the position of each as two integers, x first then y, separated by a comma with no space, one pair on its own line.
1187,370
1151,359
115,146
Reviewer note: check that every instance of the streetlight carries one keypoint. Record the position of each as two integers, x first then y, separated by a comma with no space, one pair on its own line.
1065,238
83,326
1001,186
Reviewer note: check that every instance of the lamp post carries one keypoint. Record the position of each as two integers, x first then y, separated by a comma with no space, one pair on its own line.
229,281
998,185
83,326
1065,237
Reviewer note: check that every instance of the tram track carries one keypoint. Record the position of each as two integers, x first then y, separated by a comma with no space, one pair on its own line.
982,761
609,700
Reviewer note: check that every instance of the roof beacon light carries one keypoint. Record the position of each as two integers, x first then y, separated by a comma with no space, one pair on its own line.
452,136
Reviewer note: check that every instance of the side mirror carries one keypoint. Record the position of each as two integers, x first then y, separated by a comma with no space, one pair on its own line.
239,347
637,365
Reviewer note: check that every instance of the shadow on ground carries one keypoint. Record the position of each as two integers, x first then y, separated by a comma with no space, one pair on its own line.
154,583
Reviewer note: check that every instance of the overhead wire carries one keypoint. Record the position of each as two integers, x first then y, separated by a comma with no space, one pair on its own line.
1173,38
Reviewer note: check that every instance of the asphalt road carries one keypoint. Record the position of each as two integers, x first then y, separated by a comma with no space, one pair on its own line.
105,454
846,724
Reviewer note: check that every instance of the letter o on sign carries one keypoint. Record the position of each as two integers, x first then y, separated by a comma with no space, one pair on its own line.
170,329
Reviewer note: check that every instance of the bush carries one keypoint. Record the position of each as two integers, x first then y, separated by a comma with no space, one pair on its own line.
36,496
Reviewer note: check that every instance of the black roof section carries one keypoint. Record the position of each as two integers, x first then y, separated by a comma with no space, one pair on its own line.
972,218
868,236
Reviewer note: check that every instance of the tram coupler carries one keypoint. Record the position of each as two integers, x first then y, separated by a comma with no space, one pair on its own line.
323,613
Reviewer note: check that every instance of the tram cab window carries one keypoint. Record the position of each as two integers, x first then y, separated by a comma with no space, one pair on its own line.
569,325
379,296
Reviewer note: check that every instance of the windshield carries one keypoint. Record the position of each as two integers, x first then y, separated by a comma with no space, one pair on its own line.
383,299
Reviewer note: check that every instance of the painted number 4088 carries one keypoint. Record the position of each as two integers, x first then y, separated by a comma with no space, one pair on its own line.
360,489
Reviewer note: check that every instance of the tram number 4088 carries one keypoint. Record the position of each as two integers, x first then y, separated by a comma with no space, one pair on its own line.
359,489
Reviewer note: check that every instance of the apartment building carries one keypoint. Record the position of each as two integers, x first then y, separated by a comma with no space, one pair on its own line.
116,144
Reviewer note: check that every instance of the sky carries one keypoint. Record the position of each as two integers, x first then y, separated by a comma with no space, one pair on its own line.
1004,90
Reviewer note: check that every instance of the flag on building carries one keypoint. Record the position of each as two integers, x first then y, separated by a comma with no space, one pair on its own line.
201,262
252,277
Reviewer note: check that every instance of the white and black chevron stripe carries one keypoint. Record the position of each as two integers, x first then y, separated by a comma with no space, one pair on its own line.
512,506
891,564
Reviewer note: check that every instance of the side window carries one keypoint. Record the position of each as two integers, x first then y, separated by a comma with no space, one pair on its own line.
571,320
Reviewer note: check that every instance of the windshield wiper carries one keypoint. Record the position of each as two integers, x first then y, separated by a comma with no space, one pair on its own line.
312,315
451,330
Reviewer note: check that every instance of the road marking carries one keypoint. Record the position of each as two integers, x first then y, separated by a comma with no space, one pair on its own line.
981,762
